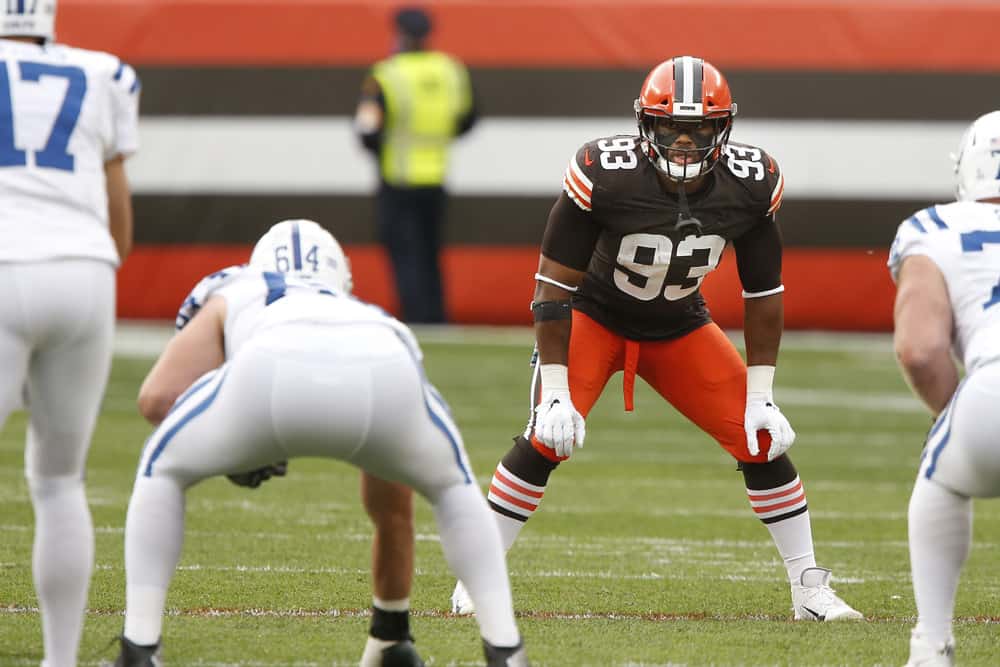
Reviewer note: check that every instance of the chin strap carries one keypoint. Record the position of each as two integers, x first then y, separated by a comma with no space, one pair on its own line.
684,218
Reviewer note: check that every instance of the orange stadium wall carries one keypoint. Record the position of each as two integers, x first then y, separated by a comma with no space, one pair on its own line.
836,290
832,283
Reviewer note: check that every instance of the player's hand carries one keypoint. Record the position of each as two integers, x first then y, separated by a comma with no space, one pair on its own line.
557,423
763,415
255,478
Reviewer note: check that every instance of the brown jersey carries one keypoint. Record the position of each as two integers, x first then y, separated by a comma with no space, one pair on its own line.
615,221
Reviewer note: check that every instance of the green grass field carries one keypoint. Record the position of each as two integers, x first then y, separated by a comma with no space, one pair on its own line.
645,551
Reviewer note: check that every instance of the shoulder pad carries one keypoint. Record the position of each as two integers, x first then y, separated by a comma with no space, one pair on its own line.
126,78
593,160
758,172
915,236
203,291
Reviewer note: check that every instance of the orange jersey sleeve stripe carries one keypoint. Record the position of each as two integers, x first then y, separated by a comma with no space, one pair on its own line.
578,186
586,184
779,191
577,198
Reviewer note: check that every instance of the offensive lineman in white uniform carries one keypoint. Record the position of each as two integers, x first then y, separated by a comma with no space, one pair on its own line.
68,120
946,263
280,362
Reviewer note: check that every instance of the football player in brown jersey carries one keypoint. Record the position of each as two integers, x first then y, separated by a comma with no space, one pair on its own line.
639,224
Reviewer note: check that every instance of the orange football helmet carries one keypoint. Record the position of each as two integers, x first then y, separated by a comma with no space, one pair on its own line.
685,97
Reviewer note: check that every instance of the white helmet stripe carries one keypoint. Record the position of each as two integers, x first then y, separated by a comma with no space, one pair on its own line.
688,94
688,87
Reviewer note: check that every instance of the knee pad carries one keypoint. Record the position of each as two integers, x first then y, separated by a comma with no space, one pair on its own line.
527,463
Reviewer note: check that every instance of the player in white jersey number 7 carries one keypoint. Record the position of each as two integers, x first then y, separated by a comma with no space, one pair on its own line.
281,362
946,263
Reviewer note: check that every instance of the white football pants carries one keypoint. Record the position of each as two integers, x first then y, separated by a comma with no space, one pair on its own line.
960,461
56,327
348,392
963,448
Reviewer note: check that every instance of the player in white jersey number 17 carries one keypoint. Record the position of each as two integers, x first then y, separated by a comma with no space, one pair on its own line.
68,121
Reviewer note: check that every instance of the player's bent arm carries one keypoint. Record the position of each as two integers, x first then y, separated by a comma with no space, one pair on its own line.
192,352
119,205
558,424
555,284
923,332
763,322
758,260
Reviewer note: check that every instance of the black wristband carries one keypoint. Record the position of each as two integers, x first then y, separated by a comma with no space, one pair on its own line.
546,311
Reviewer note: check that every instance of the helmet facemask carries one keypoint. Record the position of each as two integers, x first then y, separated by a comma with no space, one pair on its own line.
698,153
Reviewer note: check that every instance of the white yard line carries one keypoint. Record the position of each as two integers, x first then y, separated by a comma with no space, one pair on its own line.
139,338
434,613
594,544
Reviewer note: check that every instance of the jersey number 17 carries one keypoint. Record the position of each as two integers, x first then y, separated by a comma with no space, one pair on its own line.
54,154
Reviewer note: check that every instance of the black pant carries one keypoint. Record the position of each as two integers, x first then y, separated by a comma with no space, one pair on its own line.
410,222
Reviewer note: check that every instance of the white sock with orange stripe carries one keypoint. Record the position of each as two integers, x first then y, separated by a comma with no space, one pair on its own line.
513,501
784,511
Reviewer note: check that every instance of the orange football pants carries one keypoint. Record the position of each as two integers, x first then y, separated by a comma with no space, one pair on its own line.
701,374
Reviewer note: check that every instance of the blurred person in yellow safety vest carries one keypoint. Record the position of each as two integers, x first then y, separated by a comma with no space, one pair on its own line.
412,107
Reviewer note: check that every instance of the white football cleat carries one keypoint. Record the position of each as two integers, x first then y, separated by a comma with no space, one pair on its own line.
814,600
924,653
461,603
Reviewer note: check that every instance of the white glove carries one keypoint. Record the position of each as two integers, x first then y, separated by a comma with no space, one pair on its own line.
557,423
763,415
